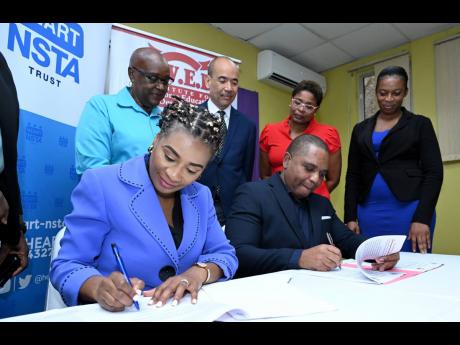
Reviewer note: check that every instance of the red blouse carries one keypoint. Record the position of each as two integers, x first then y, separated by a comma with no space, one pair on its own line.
275,139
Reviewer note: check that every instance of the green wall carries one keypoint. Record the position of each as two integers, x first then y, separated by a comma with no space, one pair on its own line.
340,106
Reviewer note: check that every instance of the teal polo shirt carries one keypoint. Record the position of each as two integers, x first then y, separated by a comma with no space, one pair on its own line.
113,129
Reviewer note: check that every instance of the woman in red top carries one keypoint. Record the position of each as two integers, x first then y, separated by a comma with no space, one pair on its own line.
275,138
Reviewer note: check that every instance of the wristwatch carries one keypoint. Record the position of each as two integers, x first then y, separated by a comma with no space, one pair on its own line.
208,271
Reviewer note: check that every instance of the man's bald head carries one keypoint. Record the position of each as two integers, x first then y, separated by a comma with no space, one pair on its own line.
149,73
302,144
305,165
218,61
141,55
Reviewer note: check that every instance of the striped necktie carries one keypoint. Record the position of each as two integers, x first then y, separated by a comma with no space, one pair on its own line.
223,129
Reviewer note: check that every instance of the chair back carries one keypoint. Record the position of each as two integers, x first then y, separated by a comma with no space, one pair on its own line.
53,298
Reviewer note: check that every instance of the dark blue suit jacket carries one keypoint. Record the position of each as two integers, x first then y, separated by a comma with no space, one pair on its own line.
234,166
265,231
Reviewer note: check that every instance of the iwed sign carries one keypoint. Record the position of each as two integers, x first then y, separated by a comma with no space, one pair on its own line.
188,64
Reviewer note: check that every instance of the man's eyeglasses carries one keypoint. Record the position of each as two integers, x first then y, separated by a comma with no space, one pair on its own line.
308,107
153,78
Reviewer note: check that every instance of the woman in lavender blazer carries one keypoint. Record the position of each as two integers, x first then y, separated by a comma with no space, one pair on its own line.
161,220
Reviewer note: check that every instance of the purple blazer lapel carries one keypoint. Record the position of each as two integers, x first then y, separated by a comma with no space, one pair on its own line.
146,207
192,219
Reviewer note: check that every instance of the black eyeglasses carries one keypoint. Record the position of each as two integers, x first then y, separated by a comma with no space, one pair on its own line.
153,78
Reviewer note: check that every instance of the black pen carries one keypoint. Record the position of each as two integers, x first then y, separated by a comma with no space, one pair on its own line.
331,242
122,268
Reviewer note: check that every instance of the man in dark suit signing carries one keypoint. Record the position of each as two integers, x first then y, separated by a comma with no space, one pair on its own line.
278,224
233,163
12,239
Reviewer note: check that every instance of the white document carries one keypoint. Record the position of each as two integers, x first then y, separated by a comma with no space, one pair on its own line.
352,274
360,271
265,296
376,247
417,266
185,311
258,297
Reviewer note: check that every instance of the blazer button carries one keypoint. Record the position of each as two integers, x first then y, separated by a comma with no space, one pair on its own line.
166,272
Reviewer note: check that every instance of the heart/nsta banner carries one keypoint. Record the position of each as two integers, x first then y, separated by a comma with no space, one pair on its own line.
56,67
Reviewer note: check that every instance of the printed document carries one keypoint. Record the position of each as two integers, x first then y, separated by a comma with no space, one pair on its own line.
265,296
185,311
259,297
376,247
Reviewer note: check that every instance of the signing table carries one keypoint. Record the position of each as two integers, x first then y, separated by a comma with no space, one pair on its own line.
299,295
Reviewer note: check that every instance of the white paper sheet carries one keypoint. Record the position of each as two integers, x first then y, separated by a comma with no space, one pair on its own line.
351,274
265,296
417,265
185,311
376,247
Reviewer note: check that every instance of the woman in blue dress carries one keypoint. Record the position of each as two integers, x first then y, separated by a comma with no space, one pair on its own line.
395,170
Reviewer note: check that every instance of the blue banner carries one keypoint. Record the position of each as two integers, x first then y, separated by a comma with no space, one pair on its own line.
46,169
56,67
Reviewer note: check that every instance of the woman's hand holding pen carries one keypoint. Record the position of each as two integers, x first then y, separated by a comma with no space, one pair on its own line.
175,287
113,292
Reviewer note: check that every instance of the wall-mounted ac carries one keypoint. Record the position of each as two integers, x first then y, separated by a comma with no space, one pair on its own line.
284,73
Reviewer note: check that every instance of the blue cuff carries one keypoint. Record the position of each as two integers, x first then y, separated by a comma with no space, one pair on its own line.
294,260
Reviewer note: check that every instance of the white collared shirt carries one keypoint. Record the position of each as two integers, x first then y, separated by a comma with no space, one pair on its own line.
213,109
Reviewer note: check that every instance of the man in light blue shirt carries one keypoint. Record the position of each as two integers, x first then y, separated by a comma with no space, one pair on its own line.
115,128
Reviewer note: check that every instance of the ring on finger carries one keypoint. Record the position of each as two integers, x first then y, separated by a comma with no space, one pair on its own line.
185,282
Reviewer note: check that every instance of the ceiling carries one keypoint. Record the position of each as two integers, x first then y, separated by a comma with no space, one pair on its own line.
322,46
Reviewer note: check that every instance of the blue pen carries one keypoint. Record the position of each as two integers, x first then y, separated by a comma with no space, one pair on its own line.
121,266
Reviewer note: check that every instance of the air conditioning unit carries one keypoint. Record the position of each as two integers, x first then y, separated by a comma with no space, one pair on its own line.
284,73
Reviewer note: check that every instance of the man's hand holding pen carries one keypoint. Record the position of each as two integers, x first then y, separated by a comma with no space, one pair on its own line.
331,242
321,258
